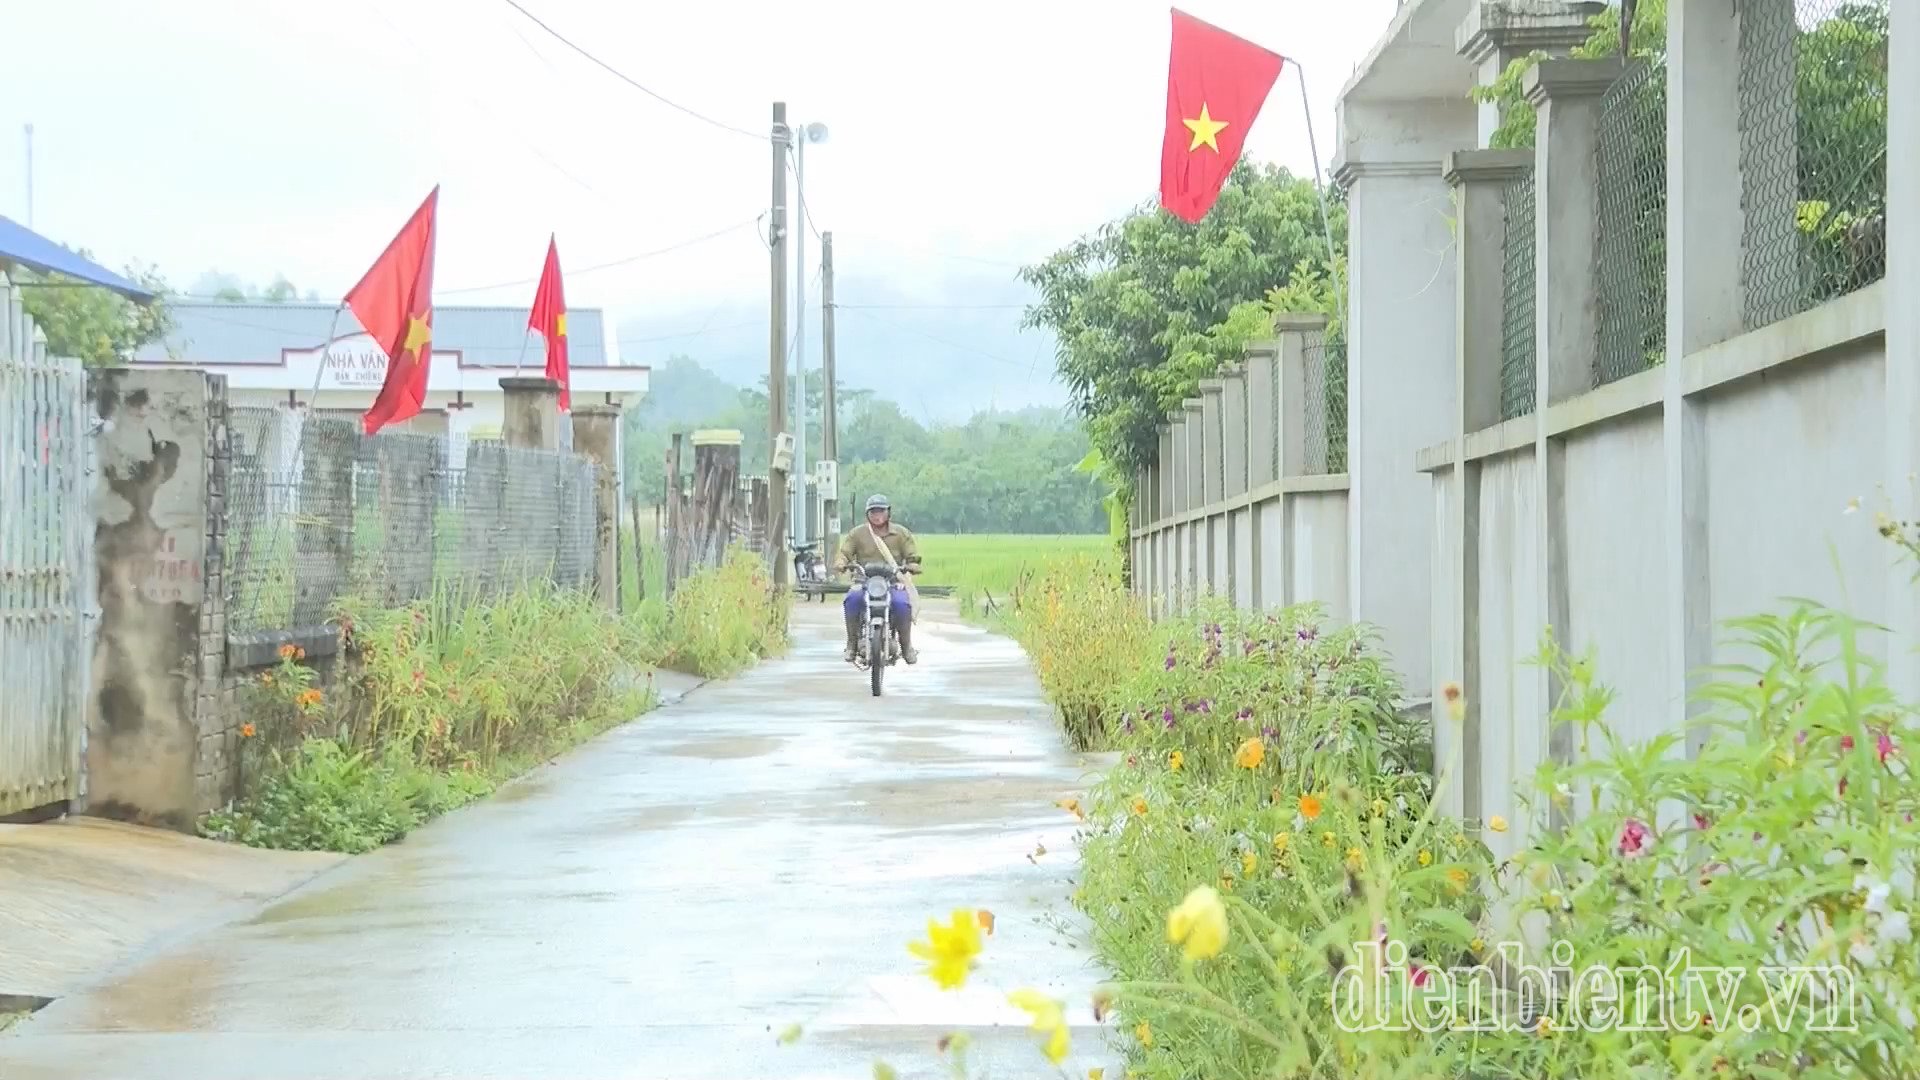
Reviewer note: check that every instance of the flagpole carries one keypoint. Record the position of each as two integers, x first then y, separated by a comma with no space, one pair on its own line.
525,334
1326,222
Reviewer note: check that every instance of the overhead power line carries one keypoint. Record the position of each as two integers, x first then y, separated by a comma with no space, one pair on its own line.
629,80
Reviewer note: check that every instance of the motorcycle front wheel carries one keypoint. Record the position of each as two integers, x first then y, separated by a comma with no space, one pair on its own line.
876,653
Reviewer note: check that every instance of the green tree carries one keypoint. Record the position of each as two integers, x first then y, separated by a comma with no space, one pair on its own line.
95,325
1148,305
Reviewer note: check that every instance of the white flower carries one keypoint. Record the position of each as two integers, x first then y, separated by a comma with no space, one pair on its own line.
1862,953
1877,898
1905,1016
1896,928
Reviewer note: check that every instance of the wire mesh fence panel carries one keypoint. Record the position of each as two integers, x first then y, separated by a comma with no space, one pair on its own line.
319,512
1517,330
1813,152
1326,404
1630,164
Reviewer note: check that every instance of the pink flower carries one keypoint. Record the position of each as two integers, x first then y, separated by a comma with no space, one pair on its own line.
1883,746
1420,975
1634,837
1846,742
1700,822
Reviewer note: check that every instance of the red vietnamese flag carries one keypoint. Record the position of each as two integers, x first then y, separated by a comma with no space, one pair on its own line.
394,302
549,317
1216,83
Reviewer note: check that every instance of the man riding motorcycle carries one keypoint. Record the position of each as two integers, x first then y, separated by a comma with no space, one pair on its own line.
879,541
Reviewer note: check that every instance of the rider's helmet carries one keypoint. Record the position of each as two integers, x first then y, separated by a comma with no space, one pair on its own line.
878,502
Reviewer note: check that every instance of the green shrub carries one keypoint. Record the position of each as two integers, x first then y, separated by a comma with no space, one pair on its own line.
323,797
723,619
1085,634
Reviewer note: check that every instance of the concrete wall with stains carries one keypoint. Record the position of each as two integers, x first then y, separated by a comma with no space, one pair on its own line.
159,744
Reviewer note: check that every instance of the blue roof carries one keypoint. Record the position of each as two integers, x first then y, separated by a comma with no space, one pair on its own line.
259,331
22,245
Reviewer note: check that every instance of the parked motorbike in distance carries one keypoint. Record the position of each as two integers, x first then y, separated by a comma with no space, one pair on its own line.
879,640
809,568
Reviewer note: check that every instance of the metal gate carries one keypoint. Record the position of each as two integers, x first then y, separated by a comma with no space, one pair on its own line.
46,567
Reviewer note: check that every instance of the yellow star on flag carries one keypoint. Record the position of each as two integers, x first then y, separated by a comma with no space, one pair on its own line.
1204,129
560,325
418,334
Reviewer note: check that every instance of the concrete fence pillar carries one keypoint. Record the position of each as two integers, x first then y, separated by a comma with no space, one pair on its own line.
161,747
1297,331
1479,179
1495,33
1903,333
596,437
1213,444
1566,95
1196,494
531,419
1242,560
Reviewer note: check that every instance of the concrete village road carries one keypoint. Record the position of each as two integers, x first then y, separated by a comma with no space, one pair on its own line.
659,904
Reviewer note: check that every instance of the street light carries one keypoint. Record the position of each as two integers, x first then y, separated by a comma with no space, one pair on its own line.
809,133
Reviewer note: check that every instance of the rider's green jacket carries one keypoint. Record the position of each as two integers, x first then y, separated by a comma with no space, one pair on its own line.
860,547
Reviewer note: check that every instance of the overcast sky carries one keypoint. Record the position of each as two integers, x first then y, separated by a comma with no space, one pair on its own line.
263,137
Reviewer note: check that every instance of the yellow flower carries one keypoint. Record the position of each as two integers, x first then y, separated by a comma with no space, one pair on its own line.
1140,807
1545,1027
1379,808
949,950
1457,878
1456,701
790,1035
1477,945
1096,1073
1199,924
1049,1018
1280,842
1175,760
1144,1032
884,1071
1326,839
1250,754
1497,823
1354,859
1426,857
1071,806
1248,861
1310,807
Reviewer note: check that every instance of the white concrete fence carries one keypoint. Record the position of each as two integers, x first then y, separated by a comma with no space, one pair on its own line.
1662,426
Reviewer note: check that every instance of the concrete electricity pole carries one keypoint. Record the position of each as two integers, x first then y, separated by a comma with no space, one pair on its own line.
829,431
777,353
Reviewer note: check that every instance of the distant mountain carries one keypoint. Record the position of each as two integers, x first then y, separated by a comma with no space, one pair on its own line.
944,350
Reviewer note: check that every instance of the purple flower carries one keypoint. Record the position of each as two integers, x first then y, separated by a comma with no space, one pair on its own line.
1169,661
1167,715
1269,732
1244,714
1307,633
1206,705
1129,725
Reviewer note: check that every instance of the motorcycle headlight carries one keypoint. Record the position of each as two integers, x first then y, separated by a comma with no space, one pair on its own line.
876,588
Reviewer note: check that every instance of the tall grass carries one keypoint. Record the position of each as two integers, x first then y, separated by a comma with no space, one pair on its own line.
986,571
433,703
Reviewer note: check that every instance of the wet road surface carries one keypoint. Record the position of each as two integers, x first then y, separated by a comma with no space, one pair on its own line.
660,904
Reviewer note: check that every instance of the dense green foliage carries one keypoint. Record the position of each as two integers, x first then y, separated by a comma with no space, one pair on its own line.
95,325
1147,306
999,472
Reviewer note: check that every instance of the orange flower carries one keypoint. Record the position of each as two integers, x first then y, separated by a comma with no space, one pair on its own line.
1310,807
986,920
1250,754
247,731
299,652
1140,807
308,698
1071,806
286,652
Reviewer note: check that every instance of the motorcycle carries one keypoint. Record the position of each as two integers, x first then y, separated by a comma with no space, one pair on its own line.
810,569
879,640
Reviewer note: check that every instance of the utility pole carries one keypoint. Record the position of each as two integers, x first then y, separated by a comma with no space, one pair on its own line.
800,342
777,351
829,432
